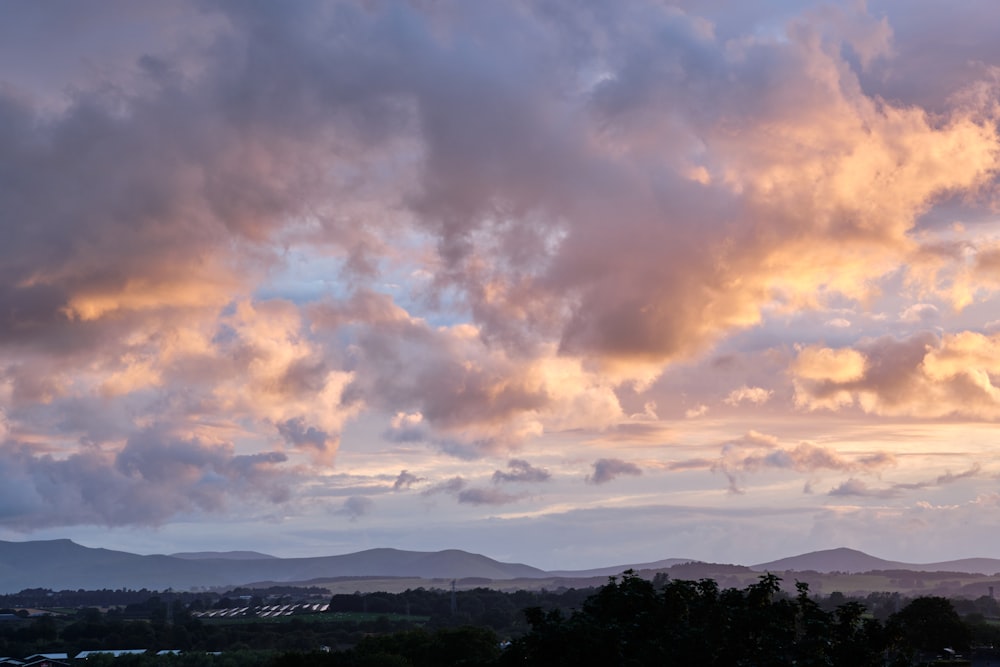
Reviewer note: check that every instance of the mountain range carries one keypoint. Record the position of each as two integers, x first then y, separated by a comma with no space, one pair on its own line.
63,564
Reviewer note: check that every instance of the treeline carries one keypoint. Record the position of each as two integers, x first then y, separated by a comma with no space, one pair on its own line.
167,622
45,597
629,621
484,607
633,622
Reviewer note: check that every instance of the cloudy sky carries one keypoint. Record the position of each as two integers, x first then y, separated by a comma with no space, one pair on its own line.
564,283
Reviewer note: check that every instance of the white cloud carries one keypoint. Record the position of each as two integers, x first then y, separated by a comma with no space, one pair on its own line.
697,411
746,394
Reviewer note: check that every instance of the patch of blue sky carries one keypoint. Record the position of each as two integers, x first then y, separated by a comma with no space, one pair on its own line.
306,277
413,288
313,273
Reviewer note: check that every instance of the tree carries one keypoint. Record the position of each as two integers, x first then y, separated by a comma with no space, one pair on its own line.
929,624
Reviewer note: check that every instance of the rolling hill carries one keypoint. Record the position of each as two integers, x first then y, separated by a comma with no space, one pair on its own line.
63,564
851,560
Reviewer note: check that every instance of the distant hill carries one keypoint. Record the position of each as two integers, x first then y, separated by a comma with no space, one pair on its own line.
63,564
851,560
224,555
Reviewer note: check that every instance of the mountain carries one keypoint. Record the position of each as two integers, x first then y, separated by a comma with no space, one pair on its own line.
830,560
63,564
224,555
851,560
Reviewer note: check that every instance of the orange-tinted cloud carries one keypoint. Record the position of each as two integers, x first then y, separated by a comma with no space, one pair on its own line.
925,375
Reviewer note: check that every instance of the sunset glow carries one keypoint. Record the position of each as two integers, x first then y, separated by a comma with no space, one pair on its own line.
569,284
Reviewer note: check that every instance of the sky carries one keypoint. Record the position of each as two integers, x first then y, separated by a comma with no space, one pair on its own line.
571,284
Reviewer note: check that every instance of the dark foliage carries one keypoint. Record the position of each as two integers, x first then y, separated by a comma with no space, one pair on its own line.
629,622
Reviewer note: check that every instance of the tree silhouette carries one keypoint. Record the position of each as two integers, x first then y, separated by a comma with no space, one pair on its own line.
929,624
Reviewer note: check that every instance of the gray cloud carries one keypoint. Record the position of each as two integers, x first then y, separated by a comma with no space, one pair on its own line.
692,464
405,480
356,507
404,435
856,487
153,479
948,478
735,462
754,452
478,496
453,485
296,433
606,470
521,471
458,487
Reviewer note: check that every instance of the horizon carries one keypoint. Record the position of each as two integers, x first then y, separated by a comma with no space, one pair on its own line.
560,285
629,563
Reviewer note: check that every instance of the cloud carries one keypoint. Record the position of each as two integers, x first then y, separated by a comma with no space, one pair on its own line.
825,363
925,375
755,452
287,218
922,313
521,471
296,433
745,394
406,428
692,464
405,480
356,507
468,162
606,470
695,412
941,480
736,461
154,478
458,487
453,486
476,496
648,413
856,487
465,395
